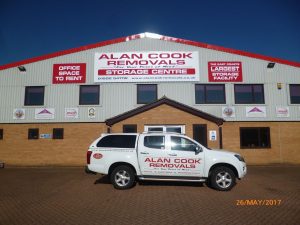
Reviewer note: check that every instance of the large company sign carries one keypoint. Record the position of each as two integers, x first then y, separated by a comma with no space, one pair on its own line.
146,66
225,72
69,73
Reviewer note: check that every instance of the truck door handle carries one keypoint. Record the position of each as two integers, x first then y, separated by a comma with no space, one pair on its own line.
172,154
145,153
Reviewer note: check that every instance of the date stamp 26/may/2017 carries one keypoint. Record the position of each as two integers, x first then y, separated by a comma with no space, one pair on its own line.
258,202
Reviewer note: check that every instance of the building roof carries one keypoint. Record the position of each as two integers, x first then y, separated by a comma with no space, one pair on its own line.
167,101
154,36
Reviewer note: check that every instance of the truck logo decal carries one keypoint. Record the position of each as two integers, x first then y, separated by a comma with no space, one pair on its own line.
97,156
186,163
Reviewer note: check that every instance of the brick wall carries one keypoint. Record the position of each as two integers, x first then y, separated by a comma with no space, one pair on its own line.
285,142
16,149
167,115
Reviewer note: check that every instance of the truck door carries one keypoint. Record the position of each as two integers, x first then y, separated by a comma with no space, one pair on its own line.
153,155
187,159
172,156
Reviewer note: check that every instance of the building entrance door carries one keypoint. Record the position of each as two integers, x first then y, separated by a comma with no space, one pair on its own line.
200,133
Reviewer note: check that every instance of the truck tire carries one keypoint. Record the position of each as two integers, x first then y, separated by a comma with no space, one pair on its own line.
222,179
122,177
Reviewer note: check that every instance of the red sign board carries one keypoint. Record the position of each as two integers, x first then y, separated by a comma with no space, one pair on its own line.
225,72
69,73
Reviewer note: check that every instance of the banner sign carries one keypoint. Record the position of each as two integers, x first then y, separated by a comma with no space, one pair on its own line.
44,114
228,112
69,73
135,67
71,113
282,112
19,114
212,135
256,111
91,113
225,72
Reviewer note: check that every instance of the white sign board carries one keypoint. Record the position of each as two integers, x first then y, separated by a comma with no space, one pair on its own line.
282,112
44,114
256,111
212,135
91,113
19,114
228,112
71,113
160,66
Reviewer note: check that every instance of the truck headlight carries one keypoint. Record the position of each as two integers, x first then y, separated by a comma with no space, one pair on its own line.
239,157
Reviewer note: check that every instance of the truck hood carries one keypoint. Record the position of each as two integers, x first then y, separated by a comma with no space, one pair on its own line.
223,151
219,155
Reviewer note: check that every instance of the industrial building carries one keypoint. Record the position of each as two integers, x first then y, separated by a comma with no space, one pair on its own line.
54,106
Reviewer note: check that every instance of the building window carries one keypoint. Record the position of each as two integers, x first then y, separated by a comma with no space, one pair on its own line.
33,133
130,128
249,94
1,134
89,95
165,128
146,93
58,133
210,93
34,95
295,93
255,137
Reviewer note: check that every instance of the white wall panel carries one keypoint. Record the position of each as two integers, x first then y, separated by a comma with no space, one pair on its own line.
116,98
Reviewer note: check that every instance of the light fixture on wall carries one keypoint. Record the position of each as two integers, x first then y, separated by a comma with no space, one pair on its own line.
279,86
22,68
271,65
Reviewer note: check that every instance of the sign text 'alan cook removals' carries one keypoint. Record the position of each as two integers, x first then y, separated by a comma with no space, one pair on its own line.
146,66
225,72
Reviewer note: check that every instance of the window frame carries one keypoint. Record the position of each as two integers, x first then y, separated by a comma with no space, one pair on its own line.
223,101
57,136
137,93
268,146
30,137
26,99
291,102
80,95
252,94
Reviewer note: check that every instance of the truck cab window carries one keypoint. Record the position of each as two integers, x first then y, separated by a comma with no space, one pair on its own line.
182,144
117,141
157,142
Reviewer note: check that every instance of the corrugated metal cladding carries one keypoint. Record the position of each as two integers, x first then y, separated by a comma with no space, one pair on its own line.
116,98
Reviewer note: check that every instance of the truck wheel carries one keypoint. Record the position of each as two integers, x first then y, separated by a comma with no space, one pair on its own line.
222,179
122,177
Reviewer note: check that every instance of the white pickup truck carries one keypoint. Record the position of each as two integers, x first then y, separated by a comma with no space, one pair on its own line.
162,156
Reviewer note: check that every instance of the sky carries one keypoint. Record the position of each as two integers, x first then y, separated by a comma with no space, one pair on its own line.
30,28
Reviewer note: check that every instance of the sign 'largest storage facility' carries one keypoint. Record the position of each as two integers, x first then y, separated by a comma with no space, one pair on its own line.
54,106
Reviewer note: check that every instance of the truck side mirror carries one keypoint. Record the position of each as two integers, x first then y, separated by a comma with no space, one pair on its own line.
198,149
